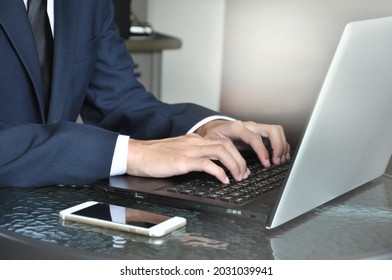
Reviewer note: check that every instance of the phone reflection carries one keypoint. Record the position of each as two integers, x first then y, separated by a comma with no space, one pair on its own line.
119,239
122,240
135,217
122,215
143,218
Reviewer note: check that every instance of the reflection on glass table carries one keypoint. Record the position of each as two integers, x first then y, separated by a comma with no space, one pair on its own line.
357,225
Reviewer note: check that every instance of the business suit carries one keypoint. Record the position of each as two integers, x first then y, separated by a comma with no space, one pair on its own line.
92,75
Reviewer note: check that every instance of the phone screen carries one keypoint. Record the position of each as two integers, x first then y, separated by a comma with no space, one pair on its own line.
122,215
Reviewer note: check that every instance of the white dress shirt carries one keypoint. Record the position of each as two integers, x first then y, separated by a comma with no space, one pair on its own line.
120,155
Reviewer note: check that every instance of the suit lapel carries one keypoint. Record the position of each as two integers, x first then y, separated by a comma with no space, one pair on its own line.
14,21
66,14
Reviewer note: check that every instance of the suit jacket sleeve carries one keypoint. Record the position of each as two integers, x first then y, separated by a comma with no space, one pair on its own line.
49,154
59,151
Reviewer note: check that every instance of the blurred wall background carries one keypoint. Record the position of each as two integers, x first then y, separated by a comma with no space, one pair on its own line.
262,60
194,72
277,53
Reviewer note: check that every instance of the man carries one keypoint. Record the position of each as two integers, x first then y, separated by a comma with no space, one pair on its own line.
125,129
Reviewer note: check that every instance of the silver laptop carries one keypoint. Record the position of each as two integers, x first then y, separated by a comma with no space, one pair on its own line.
347,142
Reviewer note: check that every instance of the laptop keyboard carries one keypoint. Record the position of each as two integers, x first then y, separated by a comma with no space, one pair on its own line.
258,183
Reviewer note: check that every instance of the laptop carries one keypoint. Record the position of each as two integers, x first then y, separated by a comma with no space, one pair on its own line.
347,142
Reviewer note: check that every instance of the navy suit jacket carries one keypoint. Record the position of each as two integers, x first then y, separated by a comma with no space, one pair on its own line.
92,76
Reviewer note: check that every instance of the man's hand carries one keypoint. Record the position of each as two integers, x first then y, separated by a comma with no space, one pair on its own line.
250,133
212,141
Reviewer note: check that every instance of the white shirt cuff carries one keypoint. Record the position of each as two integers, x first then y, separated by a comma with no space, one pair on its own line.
206,120
118,214
120,156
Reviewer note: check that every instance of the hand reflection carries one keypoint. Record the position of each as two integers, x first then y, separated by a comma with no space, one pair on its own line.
135,215
193,240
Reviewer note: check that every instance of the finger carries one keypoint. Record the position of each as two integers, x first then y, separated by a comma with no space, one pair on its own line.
228,155
288,152
257,144
278,144
286,145
250,133
207,166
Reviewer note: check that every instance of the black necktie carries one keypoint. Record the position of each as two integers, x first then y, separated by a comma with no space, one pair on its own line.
39,20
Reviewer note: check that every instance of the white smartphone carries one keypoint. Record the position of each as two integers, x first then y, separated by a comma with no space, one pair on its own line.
123,218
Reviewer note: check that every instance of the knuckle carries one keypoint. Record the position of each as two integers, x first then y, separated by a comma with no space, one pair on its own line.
238,123
224,145
279,127
204,163
220,148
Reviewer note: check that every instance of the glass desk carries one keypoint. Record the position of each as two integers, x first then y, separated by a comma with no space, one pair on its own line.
354,226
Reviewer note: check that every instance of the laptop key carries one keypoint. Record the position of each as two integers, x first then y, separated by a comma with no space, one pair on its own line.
186,191
202,194
174,189
213,196
226,198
